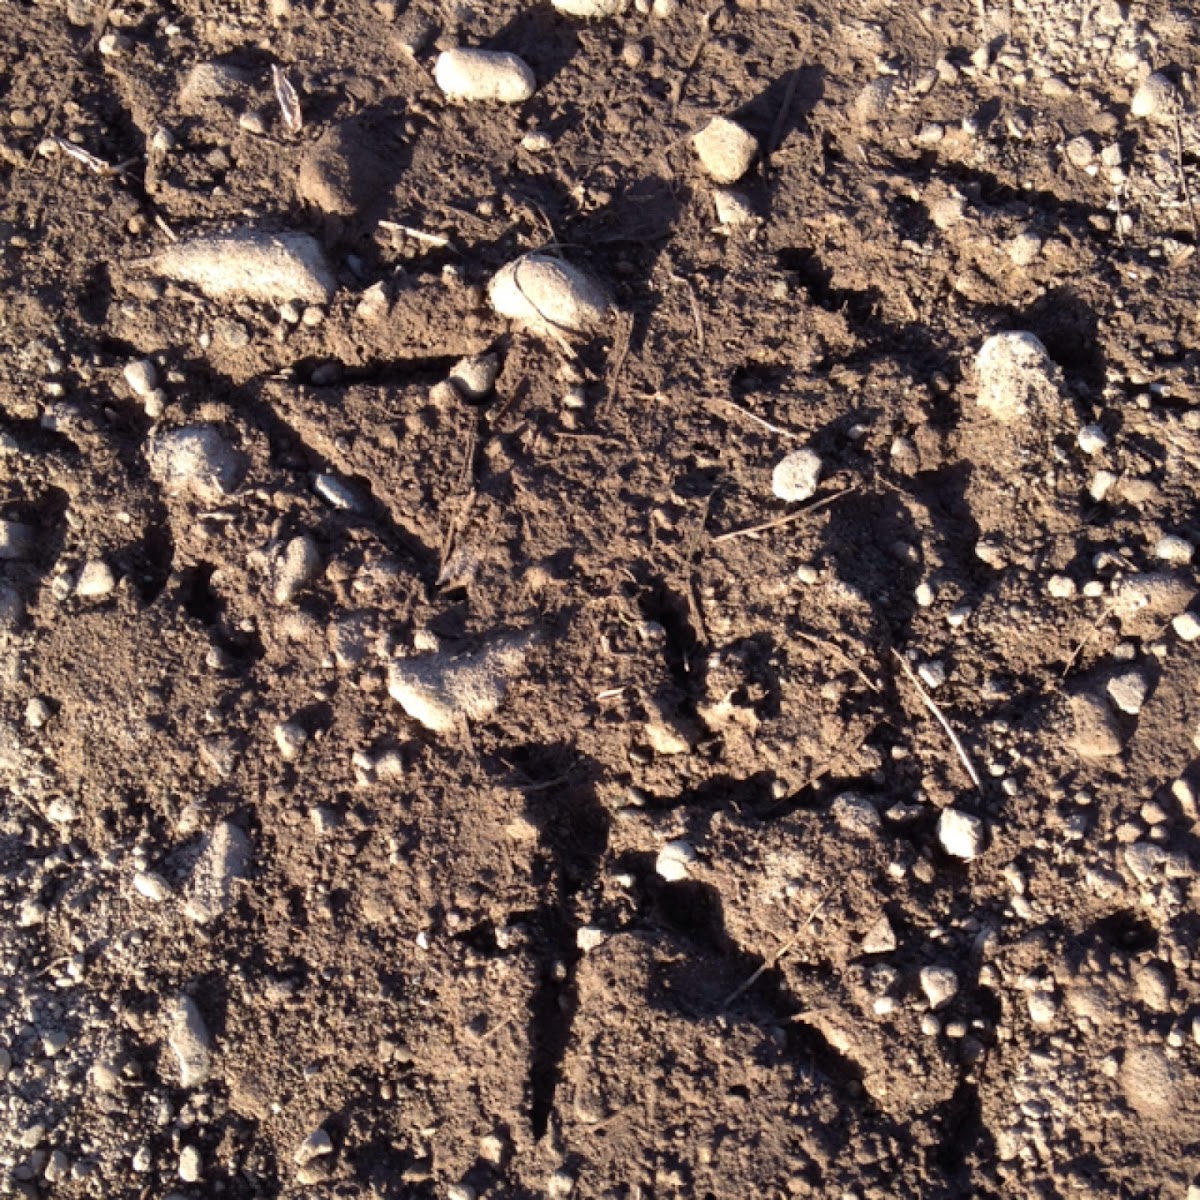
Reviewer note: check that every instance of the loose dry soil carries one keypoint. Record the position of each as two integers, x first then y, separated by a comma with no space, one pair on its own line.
660,906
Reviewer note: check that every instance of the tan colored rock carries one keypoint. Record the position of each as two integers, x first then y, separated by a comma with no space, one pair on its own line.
725,150
1017,379
548,296
484,76
439,690
245,264
1096,733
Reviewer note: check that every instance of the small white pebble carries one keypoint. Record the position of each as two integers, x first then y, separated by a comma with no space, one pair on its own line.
190,1164
932,673
142,377
960,834
1061,587
725,149
151,886
112,44
589,937
484,76
1092,439
1174,549
1187,626
560,1185
317,1144
95,579
536,141
674,861
940,985
796,476
1042,1007
924,595
290,738
1155,98
1102,483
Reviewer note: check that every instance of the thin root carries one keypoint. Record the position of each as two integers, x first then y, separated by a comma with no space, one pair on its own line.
787,519
931,704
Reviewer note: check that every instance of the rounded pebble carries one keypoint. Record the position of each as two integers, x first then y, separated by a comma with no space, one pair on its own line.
725,150
796,476
484,76
548,296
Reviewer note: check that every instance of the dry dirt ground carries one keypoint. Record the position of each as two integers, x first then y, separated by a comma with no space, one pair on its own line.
664,907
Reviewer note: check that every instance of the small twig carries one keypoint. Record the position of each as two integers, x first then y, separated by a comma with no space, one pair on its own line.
838,652
787,947
787,519
780,127
697,318
1183,179
930,704
1091,633
89,160
778,430
160,221
693,555
430,239
620,354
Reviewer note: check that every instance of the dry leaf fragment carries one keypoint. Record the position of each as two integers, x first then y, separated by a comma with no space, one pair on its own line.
289,102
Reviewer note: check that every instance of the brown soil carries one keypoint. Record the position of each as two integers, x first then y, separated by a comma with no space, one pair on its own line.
460,961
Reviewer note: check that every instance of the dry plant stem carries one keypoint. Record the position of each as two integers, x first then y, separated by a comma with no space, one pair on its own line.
1091,633
695,552
430,239
839,653
777,130
620,354
1183,179
787,947
787,519
930,704
778,430
289,102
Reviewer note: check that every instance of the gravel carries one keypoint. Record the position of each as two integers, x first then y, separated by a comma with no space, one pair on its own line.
1017,379
142,377
296,566
95,579
674,861
1155,99
960,834
1128,691
591,9
196,459
940,985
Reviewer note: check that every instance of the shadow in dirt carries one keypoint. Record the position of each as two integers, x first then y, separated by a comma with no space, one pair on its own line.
1070,330
861,537
782,108
573,829
545,40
